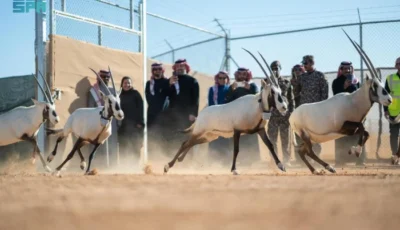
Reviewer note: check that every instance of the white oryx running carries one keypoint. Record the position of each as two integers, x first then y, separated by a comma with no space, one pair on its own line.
23,123
89,125
241,116
338,116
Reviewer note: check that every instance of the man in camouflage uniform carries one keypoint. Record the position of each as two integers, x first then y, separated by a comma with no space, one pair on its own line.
277,122
313,87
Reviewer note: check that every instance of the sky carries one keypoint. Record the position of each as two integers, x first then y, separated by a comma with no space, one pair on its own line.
241,18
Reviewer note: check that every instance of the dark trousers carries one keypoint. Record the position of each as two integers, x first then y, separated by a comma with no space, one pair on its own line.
394,137
281,125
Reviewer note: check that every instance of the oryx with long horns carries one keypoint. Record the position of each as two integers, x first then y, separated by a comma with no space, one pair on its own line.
23,123
90,125
338,116
241,116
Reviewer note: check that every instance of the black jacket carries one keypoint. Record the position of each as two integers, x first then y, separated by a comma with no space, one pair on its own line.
157,102
338,86
132,106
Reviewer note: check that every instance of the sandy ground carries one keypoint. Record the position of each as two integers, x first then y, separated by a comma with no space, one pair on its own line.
354,198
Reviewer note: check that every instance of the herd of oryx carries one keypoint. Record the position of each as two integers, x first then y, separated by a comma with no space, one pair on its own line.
313,122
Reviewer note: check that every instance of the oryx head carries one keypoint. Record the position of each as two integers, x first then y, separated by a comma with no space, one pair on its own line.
111,101
271,94
49,107
377,92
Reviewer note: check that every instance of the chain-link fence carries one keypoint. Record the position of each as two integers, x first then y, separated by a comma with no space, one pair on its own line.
205,51
113,24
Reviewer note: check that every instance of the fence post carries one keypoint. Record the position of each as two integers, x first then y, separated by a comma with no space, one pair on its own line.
172,50
99,35
64,5
143,36
40,56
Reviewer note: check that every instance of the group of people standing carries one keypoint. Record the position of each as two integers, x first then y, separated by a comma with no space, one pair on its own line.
173,104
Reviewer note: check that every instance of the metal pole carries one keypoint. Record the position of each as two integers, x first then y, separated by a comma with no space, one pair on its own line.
99,35
361,44
64,5
172,50
228,52
140,27
144,53
227,48
131,14
40,40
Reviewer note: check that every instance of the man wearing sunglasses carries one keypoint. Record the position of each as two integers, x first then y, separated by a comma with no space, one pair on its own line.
392,86
313,87
277,122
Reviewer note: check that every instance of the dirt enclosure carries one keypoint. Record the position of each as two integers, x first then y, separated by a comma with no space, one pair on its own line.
354,198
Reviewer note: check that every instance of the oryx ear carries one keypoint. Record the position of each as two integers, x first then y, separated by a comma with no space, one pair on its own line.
103,96
35,101
263,83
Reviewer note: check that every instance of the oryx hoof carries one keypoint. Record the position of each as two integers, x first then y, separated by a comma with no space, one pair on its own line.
83,165
319,172
355,150
395,160
50,158
330,169
235,172
281,167
166,168
57,173
33,160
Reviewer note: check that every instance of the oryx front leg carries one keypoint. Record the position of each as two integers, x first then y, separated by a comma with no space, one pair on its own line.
236,139
270,146
92,154
351,128
54,152
83,163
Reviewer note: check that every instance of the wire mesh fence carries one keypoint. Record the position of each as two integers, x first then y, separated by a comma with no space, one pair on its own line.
113,14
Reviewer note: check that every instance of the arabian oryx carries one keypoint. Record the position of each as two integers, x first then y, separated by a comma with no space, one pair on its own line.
244,115
338,116
89,125
23,123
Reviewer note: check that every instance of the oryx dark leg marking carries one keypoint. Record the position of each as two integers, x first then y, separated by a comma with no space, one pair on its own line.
352,128
78,144
270,146
236,138
96,146
310,152
81,155
54,152
306,146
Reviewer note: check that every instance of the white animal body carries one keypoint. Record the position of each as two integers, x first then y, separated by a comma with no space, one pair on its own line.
338,116
89,125
241,116
23,123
